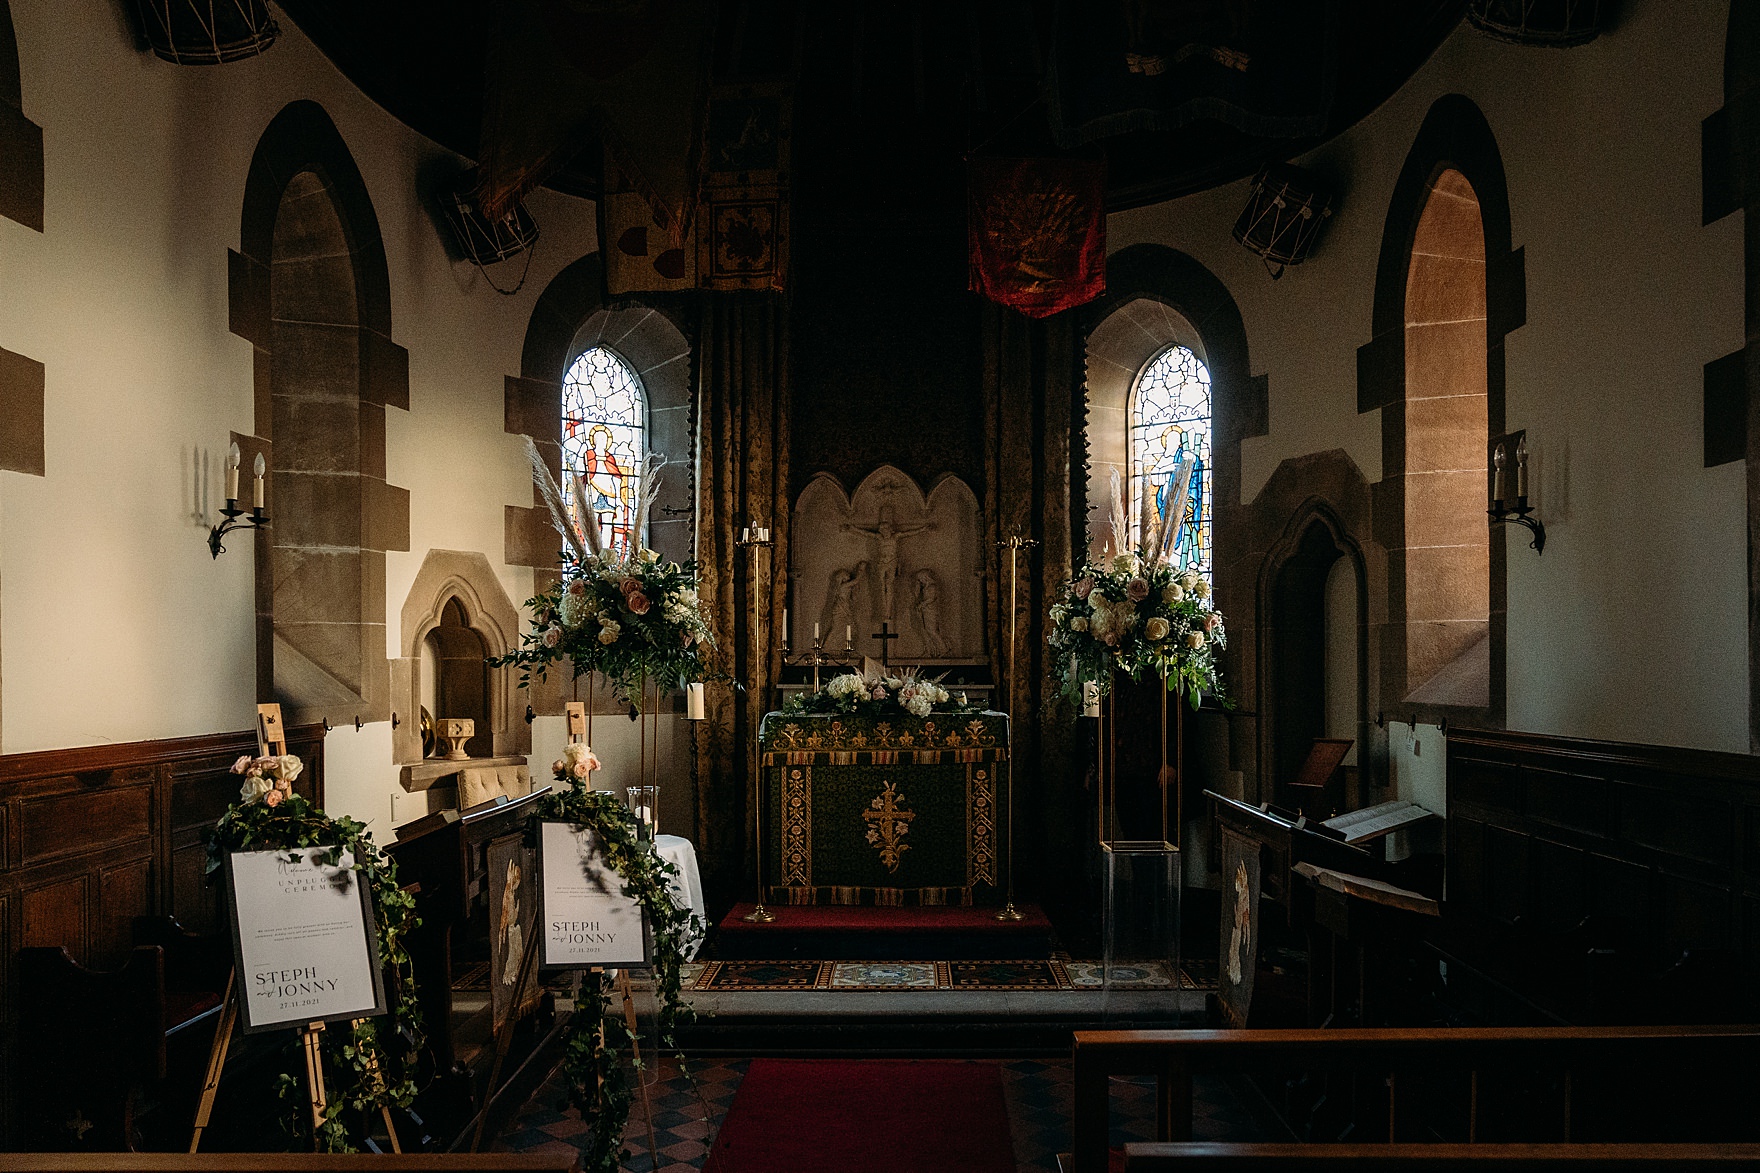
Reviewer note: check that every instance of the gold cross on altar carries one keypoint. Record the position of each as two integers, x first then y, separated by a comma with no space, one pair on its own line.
888,825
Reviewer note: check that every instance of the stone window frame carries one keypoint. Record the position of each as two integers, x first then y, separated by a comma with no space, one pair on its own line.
560,327
1454,136
302,138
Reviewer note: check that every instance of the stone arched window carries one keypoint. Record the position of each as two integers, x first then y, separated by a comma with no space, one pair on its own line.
1145,365
1449,289
605,441
1171,463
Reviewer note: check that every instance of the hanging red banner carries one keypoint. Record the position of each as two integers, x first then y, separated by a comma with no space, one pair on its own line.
1036,232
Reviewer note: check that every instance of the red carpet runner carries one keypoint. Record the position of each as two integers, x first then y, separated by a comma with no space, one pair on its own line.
866,1116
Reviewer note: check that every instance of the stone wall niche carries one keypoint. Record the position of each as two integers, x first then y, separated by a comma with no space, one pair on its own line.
459,611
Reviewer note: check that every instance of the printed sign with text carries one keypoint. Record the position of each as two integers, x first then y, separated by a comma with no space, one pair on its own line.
304,939
588,920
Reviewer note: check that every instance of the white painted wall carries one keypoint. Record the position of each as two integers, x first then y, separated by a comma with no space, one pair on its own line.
1632,626
115,625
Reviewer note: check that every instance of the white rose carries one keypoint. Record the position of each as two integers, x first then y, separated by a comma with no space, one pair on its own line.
1201,589
1194,639
289,767
1172,593
650,556
1124,564
1079,623
1156,629
255,786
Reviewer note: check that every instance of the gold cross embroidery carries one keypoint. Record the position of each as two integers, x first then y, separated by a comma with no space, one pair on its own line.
888,824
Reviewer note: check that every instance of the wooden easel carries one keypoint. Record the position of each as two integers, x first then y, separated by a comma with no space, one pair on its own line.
504,1036
272,741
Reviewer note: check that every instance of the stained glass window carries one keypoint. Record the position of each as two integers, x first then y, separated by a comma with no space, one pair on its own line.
604,430
1170,421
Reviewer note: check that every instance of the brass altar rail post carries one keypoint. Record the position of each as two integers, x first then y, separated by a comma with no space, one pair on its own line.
1014,544
757,538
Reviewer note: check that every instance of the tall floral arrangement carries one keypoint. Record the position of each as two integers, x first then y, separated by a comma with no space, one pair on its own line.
1136,613
625,613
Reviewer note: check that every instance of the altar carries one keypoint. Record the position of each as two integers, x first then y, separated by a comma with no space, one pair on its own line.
895,811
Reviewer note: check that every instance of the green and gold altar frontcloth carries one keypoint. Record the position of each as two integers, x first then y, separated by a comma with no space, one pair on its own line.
893,811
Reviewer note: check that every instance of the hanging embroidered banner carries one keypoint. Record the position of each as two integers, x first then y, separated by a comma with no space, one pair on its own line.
742,206
1036,232
642,254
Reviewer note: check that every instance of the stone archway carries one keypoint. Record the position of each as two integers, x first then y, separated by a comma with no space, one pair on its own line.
463,581
309,288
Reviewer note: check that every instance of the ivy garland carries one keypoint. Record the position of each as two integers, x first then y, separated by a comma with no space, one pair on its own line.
598,1081
372,1074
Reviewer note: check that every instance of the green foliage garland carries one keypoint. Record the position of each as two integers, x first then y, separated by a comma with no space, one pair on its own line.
598,1082
371,1072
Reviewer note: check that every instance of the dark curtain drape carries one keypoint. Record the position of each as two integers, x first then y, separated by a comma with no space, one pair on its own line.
1031,384
742,452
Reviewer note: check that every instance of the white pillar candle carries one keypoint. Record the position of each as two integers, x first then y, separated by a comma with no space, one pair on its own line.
848,635
785,625
693,702
815,633
261,468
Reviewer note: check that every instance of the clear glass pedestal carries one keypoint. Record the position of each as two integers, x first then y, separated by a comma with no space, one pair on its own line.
1140,931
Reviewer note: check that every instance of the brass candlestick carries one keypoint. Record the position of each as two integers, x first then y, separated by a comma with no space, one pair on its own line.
1015,544
757,538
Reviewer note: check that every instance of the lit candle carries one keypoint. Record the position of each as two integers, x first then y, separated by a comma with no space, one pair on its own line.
1522,468
815,635
261,467
232,459
693,702
1497,459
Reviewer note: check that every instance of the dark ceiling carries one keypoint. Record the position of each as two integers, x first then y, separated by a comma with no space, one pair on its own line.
889,84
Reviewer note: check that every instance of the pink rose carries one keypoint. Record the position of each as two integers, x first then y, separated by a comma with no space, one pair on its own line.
631,585
1083,586
879,693
582,769
242,764
637,602
1137,589
688,637
1210,621
272,799
559,767
552,636
577,586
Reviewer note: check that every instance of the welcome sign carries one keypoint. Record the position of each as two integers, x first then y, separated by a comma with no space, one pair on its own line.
587,919
303,939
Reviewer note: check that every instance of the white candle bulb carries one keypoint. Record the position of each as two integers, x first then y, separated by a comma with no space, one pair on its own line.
260,468
1522,468
232,462
1497,461
815,633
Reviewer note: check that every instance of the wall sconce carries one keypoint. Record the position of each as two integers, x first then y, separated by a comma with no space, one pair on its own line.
1519,513
256,518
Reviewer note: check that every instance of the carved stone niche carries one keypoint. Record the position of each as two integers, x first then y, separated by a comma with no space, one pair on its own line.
459,602
889,553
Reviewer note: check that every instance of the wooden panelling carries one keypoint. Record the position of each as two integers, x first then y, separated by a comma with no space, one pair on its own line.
92,837
55,914
51,827
1655,850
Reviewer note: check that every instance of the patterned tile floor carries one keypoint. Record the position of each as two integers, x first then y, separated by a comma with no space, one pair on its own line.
1039,1094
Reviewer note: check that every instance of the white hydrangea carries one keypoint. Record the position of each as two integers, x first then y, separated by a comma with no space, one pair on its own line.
848,685
576,609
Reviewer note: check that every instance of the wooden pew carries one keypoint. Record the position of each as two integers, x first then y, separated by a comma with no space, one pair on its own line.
292,1163
1439,1158
1409,1058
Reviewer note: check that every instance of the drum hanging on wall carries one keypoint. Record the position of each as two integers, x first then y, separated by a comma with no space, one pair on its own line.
206,32
1558,24
1282,220
486,241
